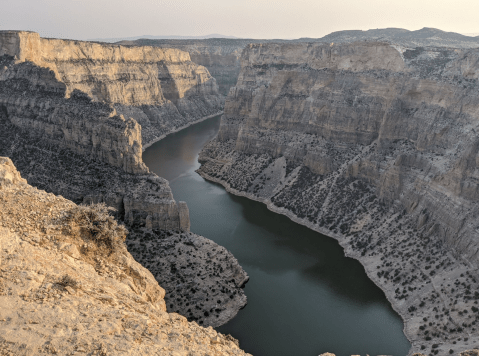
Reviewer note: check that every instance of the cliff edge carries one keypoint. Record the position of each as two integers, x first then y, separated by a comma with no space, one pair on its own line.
69,285
64,133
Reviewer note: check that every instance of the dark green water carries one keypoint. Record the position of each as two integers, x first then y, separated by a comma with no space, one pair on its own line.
304,297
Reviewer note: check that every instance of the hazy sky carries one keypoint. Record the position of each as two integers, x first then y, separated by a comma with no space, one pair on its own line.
84,19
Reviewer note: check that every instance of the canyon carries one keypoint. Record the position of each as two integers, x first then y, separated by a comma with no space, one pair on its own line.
62,112
372,143
375,145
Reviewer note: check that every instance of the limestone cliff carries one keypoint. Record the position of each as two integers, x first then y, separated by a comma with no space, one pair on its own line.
69,285
162,89
376,145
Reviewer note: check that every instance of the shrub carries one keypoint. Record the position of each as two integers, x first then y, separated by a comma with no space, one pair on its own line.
96,224
68,281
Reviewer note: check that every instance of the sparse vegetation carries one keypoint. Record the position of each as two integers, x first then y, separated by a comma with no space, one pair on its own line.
95,224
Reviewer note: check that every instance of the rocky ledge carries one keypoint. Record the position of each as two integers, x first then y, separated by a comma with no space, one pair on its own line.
69,285
375,145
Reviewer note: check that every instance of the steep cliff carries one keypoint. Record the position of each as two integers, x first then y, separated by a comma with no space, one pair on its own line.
61,129
220,55
162,89
376,145
69,285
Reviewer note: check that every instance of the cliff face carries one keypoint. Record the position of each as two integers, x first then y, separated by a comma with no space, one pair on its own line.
68,288
220,55
377,146
162,89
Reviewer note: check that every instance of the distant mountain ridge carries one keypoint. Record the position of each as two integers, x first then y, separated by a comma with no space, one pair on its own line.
424,37
112,40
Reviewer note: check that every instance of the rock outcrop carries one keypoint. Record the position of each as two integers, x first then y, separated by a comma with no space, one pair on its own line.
162,89
376,145
69,285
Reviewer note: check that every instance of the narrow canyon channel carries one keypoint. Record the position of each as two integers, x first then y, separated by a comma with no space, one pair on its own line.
304,296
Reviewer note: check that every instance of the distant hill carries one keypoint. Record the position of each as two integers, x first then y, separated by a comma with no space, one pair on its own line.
420,38
118,39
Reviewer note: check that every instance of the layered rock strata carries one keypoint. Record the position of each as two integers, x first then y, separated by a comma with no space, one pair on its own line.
65,135
220,55
375,145
162,89
66,289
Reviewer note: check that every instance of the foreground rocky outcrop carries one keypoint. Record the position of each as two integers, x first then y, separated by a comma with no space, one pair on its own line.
162,89
61,129
69,285
376,145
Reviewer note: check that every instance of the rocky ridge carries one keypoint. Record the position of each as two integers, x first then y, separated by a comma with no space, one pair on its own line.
65,136
373,144
69,285
425,37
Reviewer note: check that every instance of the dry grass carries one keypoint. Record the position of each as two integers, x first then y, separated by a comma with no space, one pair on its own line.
95,224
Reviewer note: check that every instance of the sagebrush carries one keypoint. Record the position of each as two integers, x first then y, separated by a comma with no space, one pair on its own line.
96,224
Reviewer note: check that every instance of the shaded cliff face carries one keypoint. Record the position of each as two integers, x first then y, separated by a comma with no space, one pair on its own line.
79,291
377,146
162,89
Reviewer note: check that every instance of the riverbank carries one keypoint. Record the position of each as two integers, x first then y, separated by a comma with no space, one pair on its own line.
304,296
146,145
370,264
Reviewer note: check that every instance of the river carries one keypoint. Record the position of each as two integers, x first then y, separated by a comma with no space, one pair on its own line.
304,296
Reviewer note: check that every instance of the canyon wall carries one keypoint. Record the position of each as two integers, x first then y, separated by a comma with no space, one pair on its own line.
220,55
67,119
376,145
162,89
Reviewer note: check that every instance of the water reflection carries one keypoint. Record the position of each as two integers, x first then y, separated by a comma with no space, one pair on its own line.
304,296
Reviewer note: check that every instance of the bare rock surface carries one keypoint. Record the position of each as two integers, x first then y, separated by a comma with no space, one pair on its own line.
69,287
376,145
